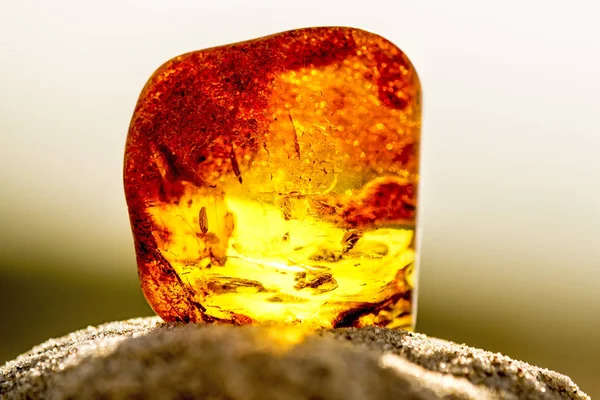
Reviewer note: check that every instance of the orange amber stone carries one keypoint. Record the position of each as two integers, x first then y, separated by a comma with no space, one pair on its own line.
275,180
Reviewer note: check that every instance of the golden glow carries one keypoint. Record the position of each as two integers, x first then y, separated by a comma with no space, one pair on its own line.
268,259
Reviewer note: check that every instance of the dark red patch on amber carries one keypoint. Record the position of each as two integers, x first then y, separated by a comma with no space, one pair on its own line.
395,83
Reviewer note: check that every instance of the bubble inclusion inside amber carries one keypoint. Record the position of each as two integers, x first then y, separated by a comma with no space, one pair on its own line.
275,181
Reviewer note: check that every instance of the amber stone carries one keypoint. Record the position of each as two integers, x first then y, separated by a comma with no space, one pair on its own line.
274,181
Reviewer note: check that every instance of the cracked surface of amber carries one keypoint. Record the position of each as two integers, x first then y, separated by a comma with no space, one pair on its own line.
275,181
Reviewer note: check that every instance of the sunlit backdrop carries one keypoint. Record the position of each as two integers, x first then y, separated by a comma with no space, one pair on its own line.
510,197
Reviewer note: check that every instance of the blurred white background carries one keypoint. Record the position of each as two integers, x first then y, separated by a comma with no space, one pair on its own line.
510,197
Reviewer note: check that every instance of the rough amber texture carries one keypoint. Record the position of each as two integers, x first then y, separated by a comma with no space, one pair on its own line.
275,181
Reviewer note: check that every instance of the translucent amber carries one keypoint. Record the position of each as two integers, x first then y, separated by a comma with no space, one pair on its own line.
275,181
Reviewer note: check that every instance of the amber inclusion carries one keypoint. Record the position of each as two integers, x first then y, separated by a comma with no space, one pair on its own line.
274,181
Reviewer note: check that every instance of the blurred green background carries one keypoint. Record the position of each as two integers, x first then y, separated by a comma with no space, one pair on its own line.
510,201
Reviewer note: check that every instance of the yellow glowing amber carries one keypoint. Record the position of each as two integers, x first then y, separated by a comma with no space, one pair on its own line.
275,181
